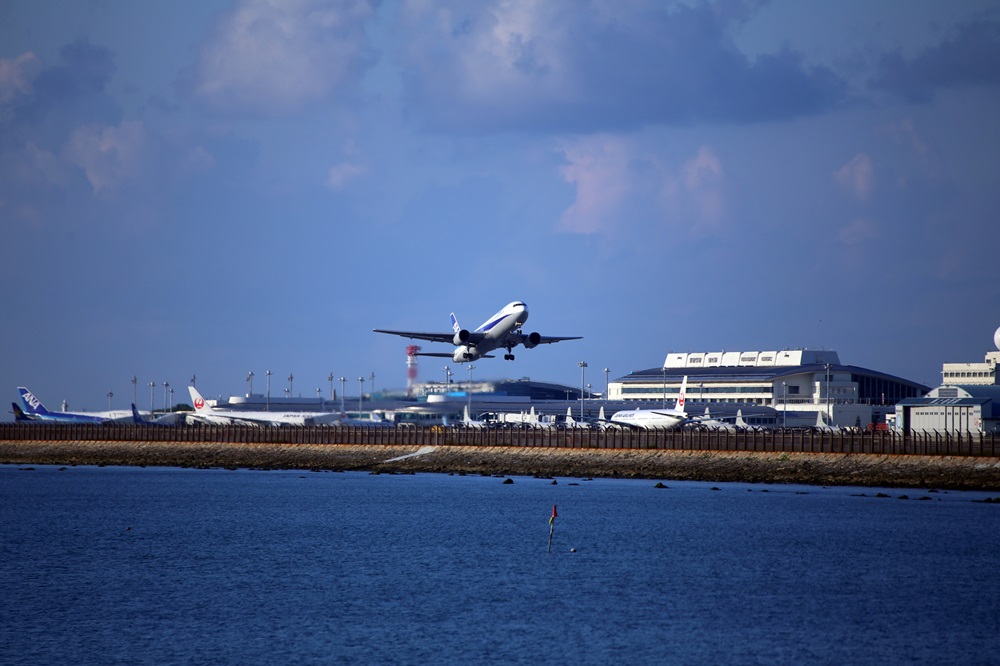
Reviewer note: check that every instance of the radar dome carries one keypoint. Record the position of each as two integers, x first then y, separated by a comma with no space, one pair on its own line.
996,338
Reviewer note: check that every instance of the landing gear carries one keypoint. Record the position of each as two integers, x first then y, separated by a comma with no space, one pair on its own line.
508,357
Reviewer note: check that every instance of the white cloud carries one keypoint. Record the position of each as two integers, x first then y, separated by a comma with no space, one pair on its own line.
17,75
858,232
857,176
274,56
598,168
702,180
340,174
617,178
109,156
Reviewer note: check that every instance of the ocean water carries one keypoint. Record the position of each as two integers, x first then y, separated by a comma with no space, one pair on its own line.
123,565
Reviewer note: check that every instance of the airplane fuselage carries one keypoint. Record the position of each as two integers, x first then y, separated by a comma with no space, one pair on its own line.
649,418
499,331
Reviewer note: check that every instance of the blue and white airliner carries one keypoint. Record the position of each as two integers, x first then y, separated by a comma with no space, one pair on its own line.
501,331
34,410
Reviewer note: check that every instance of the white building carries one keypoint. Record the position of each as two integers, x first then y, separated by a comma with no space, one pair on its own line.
800,382
968,400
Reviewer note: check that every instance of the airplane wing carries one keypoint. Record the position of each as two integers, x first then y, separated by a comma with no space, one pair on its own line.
620,424
549,339
446,355
417,335
474,336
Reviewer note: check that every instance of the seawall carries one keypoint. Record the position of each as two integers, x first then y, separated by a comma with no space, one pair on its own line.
900,471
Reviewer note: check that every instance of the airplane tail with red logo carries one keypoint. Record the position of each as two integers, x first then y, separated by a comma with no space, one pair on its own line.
680,396
198,401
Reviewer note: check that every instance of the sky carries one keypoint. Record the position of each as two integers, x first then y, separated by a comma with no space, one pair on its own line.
207,189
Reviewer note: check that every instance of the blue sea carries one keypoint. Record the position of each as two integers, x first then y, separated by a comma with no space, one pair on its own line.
165,566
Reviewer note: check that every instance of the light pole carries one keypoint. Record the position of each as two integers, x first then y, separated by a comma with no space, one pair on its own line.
607,386
583,371
166,385
330,379
250,381
171,398
319,395
152,385
135,399
784,403
267,404
664,370
194,381
361,393
469,391
447,378
343,380
829,416
110,395
372,389
291,392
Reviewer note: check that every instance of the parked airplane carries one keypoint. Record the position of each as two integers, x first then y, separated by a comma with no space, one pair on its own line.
501,331
215,416
469,422
19,415
34,410
651,419
572,424
168,419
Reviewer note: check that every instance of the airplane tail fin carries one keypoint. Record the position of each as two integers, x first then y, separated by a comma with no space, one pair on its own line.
454,323
32,405
466,419
136,417
740,423
680,396
199,402
19,414
820,422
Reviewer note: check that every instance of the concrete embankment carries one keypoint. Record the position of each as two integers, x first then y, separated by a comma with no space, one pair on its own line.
950,472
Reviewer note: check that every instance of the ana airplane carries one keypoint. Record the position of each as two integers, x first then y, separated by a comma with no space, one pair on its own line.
34,410
651,419
501,331
215,416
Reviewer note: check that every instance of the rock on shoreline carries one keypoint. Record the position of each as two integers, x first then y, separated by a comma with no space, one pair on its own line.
824,469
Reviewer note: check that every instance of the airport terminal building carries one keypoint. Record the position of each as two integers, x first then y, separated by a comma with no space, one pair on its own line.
800,382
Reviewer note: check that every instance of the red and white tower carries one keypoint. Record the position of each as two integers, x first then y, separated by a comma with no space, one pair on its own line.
411,367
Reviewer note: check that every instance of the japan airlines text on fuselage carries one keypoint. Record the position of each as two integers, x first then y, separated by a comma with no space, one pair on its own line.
501,331
652,419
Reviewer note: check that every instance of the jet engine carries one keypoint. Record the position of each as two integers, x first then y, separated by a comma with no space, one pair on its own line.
461,337
532,340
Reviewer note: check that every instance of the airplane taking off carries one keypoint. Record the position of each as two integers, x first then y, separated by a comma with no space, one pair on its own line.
34,410
214,416
651,419
501,331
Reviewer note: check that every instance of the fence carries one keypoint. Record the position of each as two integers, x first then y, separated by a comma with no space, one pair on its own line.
779,441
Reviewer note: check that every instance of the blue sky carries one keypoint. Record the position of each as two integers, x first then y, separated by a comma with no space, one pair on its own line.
212,188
